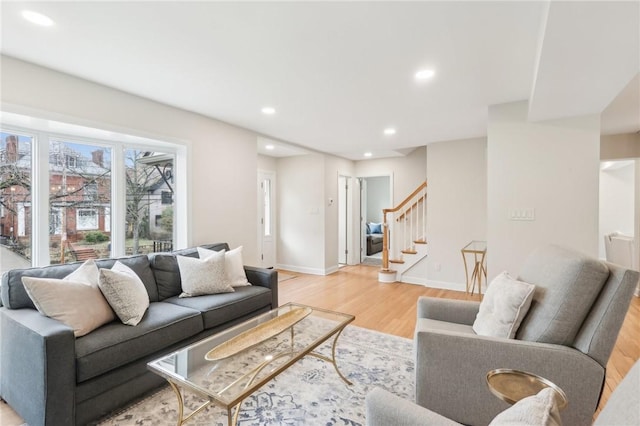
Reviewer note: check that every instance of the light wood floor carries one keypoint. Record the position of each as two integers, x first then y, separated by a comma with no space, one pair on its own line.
391,308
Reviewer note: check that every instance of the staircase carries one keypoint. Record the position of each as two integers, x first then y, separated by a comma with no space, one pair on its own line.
404,235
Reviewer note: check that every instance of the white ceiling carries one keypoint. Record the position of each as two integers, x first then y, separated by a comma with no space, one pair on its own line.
339,73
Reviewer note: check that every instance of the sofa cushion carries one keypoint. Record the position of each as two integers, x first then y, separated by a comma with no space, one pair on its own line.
14,295
220,308
567,284
116,344
140,265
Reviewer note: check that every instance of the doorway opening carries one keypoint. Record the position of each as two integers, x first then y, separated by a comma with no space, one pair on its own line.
375,195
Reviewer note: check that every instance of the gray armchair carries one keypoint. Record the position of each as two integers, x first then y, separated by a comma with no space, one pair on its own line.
567,336
384,408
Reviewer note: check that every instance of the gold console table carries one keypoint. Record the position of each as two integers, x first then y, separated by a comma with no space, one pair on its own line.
479,251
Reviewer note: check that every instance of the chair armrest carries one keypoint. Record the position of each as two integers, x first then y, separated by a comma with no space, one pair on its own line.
385,408
449,310
451,370
265,278
37,366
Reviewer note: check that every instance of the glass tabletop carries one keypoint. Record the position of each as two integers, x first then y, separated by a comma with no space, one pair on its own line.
475,247
230,365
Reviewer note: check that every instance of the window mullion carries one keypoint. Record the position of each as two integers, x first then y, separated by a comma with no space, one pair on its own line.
40,200
118,202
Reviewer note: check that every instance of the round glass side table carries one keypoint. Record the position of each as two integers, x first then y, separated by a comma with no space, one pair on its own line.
513,385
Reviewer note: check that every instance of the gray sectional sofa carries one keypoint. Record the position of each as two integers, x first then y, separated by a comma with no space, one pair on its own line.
52,378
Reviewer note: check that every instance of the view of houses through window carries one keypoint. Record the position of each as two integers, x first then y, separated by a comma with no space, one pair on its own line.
15,193
79,194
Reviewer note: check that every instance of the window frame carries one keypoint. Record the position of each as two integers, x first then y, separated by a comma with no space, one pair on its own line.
40,183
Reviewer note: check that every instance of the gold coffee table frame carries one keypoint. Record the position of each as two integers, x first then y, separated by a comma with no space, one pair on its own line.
513,385
189,369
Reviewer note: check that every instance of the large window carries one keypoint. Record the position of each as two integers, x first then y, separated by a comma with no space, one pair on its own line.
88,192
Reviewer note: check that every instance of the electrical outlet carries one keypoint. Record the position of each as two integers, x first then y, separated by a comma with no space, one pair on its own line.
437,267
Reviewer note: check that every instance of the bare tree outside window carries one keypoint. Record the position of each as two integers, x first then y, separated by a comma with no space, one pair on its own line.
149,194
15,199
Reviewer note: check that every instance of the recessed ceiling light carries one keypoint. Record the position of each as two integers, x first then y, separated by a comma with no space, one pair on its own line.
269,147
368,154
389,131
37,18
425,74
268,110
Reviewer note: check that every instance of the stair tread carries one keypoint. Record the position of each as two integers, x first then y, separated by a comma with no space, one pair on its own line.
409,252
396,261
420,242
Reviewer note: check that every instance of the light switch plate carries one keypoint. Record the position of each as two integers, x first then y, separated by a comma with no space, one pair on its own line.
527,214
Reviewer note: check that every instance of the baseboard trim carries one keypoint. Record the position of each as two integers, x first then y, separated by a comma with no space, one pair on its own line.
310,271
445,285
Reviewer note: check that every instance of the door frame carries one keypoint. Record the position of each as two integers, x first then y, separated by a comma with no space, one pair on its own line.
271,239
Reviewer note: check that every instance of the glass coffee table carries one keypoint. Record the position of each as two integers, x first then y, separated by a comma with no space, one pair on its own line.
229,366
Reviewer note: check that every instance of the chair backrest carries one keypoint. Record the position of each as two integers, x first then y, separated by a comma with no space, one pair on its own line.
579,301
600,329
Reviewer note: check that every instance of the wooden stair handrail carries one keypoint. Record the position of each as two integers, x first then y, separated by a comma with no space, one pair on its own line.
399,218
422,186
385,225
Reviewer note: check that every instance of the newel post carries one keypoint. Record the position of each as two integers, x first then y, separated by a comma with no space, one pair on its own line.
385,241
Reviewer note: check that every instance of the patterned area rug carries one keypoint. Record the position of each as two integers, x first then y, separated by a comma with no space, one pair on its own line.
309,393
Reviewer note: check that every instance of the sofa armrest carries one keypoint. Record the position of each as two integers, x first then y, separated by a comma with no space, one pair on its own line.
449,310
385,408
37,366
451,370
265,278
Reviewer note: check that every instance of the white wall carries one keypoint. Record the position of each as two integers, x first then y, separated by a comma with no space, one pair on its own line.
301,221
616,147
551,166
267,163
617,202
222,166
377,197
456,209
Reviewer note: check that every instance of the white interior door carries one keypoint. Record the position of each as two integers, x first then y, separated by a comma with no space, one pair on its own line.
266,218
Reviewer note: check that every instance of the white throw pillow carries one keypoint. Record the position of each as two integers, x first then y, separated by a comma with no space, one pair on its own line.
233,265
535,410
203,276
125,292
74,300
87,273
503,307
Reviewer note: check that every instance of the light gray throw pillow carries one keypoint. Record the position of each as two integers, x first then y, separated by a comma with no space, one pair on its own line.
125,292
536,410
503,307
203,276
233,265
